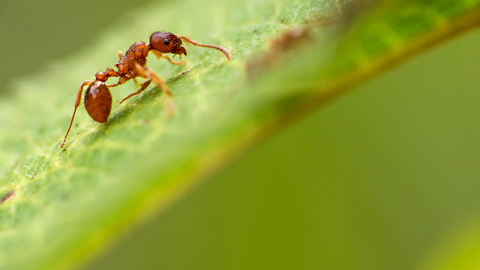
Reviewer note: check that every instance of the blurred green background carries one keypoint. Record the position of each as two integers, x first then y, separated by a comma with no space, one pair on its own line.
34,33
381,178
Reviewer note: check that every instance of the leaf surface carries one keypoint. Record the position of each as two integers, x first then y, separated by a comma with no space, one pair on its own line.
288,57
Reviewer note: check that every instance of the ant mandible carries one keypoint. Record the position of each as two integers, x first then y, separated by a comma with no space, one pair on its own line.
98,99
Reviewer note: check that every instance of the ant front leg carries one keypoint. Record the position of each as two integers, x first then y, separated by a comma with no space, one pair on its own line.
160,55
77,103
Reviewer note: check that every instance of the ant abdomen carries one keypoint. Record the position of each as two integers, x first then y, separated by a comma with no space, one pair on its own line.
98,101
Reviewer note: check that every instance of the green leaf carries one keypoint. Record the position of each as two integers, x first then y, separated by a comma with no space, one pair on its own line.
460,252
287,58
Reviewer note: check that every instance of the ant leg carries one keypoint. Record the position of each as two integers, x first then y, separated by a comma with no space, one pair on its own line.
160,82
77,103
142,71
160,55
227,55
121,81
144,85
113,85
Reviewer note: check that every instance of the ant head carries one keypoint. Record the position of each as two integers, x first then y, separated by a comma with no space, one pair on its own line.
166,42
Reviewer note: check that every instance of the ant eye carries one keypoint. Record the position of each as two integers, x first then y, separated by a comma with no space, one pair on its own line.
166,41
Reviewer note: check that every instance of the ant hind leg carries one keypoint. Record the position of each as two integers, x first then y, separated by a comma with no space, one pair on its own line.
77,103
144,85
121,81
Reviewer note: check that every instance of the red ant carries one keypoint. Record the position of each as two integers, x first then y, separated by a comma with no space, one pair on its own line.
98,99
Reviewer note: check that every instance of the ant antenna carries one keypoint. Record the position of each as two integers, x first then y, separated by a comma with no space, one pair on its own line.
207,46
